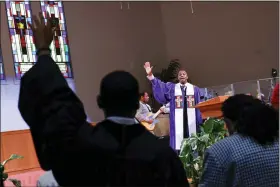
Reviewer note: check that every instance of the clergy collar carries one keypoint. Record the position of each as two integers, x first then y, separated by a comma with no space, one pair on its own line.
183,84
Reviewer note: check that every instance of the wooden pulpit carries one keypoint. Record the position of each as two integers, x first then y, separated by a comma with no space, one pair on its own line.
212,107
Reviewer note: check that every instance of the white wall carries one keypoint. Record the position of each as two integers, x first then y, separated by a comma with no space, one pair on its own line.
10,117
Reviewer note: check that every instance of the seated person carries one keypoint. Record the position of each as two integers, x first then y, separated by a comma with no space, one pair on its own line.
144,108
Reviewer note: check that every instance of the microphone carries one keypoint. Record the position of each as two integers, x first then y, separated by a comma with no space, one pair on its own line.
216,93
274,72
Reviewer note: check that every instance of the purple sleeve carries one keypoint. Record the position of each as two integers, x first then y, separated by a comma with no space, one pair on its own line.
197,111
162,91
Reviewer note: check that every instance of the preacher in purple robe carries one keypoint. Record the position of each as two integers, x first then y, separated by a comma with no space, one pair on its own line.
184,120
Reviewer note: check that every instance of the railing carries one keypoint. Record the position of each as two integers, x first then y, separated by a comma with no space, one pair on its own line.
261,88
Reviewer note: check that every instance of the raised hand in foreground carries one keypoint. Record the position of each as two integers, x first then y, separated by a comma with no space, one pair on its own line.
148,68
43,33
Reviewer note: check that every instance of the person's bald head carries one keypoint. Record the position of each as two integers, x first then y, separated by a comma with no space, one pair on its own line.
119,94
183,76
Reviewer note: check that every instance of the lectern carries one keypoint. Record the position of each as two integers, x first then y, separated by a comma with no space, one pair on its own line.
212,107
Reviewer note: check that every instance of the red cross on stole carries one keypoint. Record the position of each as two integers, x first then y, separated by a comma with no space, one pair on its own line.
190,101
178,101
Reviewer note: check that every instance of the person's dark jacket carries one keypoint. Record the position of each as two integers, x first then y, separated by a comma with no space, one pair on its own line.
79,154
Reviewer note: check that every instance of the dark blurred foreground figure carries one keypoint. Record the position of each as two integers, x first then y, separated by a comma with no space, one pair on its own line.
250,156
116,152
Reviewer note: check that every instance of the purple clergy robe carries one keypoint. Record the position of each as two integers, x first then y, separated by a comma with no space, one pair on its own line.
164,93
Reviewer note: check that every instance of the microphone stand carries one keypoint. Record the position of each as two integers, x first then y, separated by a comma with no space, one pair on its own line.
216,93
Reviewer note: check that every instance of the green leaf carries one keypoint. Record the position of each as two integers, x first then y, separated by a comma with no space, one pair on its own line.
16,183
213,125
204,138
15,156
202,129
12,157
197,159
208,125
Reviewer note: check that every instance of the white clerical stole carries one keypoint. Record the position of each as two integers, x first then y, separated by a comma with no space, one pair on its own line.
179,112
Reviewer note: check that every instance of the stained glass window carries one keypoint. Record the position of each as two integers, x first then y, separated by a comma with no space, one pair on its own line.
60,45
2,75
23,48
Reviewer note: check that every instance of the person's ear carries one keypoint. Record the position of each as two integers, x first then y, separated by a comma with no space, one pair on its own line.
100,102
230,125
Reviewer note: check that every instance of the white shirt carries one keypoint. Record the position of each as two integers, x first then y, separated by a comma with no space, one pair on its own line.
143,111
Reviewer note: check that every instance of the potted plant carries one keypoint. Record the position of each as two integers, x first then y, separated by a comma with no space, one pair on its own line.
4,176
194,147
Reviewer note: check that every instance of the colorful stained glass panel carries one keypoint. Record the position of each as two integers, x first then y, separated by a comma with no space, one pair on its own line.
23,48
2,75
60,45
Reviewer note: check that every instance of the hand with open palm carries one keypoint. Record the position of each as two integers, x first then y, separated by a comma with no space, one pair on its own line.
43,33
148,68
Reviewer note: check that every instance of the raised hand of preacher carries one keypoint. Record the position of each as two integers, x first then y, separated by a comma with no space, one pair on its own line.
43,33
148,68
